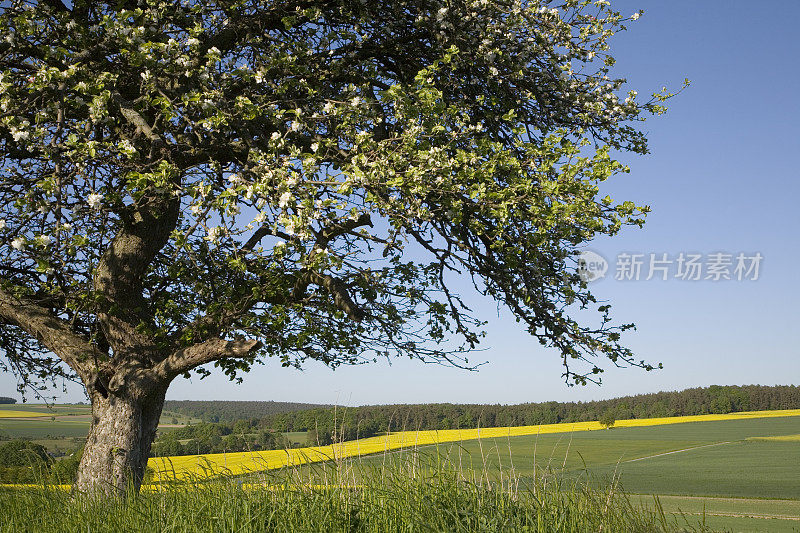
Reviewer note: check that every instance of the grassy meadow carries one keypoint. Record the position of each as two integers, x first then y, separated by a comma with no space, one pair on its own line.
397,499
730,475
736,472
191,466
59,428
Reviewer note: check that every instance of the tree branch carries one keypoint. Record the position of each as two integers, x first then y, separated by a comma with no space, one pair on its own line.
337,288
326,235
52,332
134,118
186,359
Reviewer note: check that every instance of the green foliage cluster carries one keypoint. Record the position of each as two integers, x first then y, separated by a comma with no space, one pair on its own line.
6,400
22,453
607,419
177,176
23,461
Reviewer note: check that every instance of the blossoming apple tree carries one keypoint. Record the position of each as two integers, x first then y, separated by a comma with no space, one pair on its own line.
222,182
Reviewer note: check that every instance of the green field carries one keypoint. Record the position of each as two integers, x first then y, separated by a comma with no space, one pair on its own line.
52,410
722,473
730,514
43,428
65,428
745,485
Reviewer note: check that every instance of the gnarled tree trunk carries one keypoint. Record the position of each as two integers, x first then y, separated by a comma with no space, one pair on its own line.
118,446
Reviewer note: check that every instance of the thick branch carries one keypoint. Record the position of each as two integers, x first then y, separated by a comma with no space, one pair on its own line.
121,270
135,119
52,332
337,288
188,358
330,233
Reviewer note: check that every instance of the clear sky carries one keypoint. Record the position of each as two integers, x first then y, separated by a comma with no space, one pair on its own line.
722,177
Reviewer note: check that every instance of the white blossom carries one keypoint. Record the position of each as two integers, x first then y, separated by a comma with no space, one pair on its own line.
296,126
45,240
2,224
20,135
275,136
635,16
94,200
193,41
314,147
214,233
328,107
18,243
284,199
356,101
126,146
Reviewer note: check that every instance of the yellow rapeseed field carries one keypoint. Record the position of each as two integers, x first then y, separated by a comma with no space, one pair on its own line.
10,413
782,438
200,466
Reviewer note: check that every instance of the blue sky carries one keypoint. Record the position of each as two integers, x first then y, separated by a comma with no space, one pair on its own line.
722,177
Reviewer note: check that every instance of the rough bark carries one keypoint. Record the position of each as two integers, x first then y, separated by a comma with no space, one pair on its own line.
126,407
122,430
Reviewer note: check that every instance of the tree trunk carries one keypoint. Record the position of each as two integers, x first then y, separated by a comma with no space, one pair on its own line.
118,446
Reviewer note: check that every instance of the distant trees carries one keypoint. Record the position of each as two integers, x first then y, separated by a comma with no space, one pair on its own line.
7,400
607,419
377,419
242,435
23,462
327,425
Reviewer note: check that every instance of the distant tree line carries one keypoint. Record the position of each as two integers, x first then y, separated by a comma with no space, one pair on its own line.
219,437
326,425
7,400
229,411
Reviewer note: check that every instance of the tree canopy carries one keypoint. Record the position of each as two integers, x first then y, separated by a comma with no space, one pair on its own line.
229,181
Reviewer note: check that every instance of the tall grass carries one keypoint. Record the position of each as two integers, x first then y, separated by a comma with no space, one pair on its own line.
409,495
